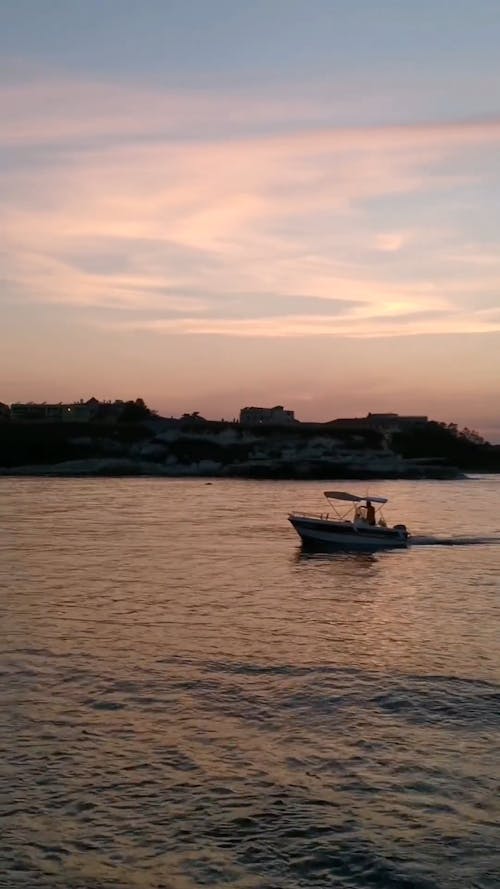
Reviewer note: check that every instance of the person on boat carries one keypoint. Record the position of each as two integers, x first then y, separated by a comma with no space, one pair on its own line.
370,513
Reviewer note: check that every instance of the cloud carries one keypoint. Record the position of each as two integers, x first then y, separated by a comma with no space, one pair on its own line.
57,112
391,242
219,210
299,326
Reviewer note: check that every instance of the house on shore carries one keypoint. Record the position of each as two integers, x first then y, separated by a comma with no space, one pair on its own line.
73,412
4,412
386,422
269,416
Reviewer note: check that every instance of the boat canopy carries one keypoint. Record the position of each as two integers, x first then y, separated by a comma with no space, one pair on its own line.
352,498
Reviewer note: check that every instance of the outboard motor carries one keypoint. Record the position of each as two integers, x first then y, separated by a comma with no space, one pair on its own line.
403,530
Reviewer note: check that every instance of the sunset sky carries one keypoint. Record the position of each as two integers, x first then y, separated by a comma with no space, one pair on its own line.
215,203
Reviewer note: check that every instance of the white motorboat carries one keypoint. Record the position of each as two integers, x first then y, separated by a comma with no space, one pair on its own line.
362,526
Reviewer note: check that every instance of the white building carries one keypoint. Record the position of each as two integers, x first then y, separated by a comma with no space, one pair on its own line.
269,416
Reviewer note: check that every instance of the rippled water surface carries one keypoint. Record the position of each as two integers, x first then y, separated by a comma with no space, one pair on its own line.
187,700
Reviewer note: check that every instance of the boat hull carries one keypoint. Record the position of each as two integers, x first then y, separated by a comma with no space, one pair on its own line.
317,533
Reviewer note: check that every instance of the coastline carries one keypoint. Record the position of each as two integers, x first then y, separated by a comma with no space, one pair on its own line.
159,448
125,468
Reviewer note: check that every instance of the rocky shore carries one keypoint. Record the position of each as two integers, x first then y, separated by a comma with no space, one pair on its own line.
162,449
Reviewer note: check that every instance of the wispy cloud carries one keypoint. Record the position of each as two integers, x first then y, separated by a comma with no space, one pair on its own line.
55,112
295,325
194,204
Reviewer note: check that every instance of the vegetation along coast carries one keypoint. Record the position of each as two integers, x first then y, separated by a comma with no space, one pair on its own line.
129,439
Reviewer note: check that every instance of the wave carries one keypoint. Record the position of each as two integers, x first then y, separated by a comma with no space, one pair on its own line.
431,540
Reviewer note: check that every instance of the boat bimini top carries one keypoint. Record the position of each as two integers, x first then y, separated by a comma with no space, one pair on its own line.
353,498
358,503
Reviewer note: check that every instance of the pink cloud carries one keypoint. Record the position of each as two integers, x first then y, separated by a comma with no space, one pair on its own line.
261,213
361,327
47,110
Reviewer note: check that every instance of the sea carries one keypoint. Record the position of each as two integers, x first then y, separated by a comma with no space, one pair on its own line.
187,699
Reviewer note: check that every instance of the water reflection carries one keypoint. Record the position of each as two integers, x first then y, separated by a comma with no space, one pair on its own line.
189,699
346,560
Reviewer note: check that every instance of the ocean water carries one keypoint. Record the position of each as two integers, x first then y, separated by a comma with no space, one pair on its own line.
188,700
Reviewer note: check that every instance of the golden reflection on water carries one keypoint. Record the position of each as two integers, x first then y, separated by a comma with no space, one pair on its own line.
201,568
190,698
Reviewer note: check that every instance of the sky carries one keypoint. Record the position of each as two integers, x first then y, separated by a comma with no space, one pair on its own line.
216,203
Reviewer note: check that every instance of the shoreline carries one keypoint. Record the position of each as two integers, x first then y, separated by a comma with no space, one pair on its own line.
116,469
169,449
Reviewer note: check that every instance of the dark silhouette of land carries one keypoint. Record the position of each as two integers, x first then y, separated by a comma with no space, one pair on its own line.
138,442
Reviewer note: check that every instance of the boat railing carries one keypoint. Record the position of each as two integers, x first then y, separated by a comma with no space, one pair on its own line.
335,517
313,515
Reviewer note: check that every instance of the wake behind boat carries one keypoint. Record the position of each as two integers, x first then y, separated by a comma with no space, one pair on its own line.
362,526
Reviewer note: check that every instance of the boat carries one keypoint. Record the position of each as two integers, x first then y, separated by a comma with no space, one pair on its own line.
362,526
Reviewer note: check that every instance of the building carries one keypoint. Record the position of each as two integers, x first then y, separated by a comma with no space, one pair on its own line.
31,412
269,416
74,412
399,420
4,412
81,411
387,422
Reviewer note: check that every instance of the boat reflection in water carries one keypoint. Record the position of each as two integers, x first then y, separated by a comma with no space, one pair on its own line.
361,527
